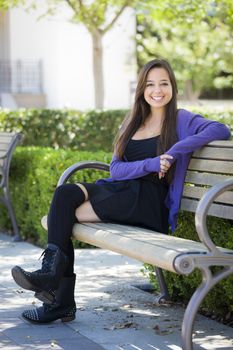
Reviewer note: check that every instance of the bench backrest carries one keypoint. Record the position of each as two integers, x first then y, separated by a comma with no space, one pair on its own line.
208,166
8,142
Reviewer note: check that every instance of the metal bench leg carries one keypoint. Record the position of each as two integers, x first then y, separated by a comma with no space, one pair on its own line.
164,294
7,202
208,282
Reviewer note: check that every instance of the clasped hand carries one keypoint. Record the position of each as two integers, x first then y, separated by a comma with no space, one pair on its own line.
164,164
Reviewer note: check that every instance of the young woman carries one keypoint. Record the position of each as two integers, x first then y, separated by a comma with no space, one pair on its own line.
151,155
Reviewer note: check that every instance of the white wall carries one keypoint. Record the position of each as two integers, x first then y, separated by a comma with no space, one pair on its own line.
65,50
120,61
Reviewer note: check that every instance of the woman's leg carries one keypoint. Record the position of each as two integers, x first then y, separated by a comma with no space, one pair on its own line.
58,257
61,218
83,213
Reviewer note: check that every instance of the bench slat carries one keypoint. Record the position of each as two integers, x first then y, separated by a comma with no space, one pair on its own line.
5,145
5,133
197,192
204,178
221,211
221,143
214,153
212,166
2,153
6,138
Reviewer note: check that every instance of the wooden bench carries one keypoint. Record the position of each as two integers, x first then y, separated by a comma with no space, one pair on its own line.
207,190
8,142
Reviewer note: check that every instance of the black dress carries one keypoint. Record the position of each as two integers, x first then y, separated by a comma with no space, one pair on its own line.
137,202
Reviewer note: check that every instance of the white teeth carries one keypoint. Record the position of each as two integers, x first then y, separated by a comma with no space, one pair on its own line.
157,98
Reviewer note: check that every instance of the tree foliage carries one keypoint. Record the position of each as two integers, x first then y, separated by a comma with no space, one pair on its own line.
6,4
195,36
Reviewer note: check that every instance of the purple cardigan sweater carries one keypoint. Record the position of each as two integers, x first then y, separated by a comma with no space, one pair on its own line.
193,132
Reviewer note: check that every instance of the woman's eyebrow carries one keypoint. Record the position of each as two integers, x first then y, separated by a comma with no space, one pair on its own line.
160,80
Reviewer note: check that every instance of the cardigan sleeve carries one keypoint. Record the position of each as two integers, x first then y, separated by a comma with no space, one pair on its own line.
123,170
196,131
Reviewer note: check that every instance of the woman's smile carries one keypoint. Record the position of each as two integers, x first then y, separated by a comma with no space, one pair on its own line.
157,98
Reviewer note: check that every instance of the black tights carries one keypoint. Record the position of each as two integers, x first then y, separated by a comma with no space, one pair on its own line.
66,199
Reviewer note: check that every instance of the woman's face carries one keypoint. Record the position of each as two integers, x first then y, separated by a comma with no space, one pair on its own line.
158,90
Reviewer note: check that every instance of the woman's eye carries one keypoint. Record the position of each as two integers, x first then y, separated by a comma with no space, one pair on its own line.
162,84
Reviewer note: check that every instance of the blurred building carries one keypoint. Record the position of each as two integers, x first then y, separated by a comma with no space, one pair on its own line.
47,62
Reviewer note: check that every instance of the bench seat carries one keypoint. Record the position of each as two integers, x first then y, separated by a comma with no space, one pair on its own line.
144,245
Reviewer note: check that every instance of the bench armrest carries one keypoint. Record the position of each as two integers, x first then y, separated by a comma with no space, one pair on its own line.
80,166
202,211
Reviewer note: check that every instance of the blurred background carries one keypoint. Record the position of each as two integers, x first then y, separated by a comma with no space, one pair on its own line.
86,54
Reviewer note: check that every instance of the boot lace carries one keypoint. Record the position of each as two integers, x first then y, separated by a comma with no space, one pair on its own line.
48,260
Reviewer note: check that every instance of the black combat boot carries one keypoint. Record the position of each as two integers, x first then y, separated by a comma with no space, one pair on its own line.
63,308
44,281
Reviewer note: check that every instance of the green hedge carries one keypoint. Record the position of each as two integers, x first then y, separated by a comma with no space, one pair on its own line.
33,178
88,131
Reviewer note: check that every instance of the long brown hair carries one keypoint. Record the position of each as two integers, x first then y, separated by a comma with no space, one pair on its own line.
141,111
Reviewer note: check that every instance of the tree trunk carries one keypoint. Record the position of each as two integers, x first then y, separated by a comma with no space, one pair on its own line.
98,69
189,93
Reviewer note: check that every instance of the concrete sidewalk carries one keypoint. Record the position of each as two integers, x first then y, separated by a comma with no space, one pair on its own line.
112,314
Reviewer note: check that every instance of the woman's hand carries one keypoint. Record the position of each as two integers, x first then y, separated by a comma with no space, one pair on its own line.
164,164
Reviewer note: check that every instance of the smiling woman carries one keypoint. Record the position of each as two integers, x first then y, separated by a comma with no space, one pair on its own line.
154,112
152,152
158,91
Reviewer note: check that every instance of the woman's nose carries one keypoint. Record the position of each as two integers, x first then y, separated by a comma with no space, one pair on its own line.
157,88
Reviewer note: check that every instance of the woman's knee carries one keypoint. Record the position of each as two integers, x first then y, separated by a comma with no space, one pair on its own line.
69,191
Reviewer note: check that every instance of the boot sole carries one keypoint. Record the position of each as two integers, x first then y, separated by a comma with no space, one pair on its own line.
23,282
45,297
63,319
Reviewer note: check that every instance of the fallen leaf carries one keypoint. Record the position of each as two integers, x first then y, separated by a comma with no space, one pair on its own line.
81,308
127,306
122,326
53,343
161,331
20,291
